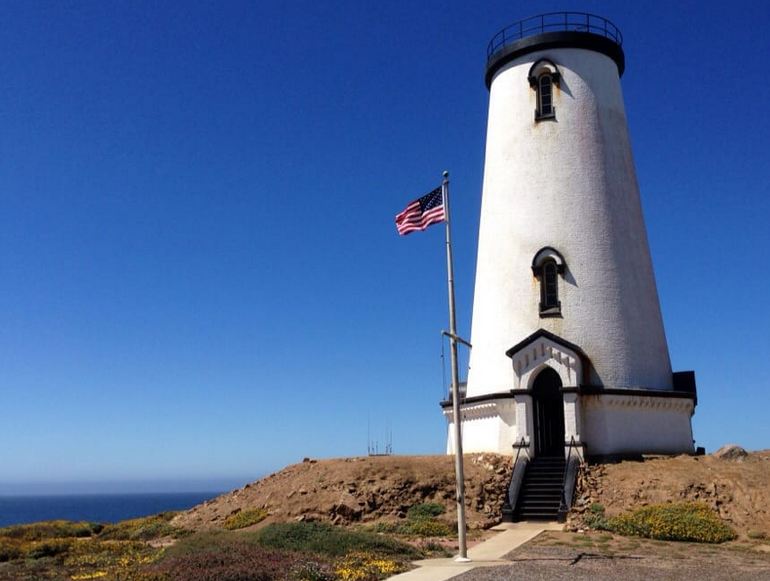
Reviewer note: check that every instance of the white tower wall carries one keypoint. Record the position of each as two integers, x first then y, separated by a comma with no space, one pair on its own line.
570,184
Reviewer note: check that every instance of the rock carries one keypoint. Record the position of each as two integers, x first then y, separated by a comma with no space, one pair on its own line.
346,512
730,452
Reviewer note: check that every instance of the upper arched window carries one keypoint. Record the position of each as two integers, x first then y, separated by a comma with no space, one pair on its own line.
543,75
544,97
547,265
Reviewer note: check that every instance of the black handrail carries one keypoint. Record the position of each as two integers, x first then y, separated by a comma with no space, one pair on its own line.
572,444
507,507
554,22
519,446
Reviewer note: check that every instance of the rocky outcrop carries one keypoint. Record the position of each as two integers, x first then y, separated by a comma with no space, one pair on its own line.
730,452
737,490
365,489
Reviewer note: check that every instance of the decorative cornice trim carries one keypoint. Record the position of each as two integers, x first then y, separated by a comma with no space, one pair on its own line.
634,392
447,403
489,408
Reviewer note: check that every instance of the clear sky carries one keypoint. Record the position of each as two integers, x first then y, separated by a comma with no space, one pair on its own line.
200,279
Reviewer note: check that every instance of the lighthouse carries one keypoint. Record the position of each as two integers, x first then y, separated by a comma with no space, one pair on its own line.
569,353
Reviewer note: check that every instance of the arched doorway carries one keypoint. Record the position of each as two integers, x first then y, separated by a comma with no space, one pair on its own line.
548,414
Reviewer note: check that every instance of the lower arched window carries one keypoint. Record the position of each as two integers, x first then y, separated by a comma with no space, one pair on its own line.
547,265
549,286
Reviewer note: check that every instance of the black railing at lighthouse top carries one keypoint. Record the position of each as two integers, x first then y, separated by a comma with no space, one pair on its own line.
554,22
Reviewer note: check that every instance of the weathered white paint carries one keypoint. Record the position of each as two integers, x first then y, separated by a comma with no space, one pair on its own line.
573,417
606,424
487,426
569,184
616,424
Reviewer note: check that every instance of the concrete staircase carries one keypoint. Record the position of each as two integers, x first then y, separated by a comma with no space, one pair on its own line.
541,490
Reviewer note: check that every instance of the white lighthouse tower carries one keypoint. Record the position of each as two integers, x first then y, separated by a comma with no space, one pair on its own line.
569,349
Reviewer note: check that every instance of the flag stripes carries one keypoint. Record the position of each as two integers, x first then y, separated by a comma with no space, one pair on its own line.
421,213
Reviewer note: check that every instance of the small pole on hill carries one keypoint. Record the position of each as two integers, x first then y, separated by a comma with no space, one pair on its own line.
463,555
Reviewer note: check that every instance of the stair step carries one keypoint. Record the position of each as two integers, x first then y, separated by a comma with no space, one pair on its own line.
541,489
544,505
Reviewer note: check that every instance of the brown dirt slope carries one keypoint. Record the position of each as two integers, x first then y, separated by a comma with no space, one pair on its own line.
739,490
363,489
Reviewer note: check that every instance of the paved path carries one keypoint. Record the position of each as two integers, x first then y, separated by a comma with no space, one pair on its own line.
490,552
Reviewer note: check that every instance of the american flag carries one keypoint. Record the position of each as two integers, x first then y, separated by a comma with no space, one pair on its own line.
421,213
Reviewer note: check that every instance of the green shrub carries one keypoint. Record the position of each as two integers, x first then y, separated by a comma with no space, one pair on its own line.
757,535
326,539
595,517
384,527
596,508
425,510
245,518
434,549
48,548
425,527
141,529
53,529
10,549
681,521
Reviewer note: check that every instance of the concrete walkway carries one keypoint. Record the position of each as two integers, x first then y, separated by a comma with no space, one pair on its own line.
488,553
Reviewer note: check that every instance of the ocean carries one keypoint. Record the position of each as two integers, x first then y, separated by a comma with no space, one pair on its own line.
105,508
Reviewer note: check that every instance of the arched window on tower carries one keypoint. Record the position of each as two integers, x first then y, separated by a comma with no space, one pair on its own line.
547,265
549,287
543,75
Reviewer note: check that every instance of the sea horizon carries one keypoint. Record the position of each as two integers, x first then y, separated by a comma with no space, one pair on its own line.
101,507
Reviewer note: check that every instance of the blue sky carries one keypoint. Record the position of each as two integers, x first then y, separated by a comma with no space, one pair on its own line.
201,280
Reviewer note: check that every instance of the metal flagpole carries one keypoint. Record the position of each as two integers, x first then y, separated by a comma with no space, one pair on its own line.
463,556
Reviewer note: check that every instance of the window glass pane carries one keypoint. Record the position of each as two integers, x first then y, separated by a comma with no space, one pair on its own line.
544,97
550,296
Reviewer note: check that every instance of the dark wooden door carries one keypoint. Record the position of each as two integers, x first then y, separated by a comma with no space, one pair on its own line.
548,414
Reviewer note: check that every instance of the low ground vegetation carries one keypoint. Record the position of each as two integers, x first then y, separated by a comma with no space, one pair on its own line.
675,521
733,486
151,549
245,518
423,520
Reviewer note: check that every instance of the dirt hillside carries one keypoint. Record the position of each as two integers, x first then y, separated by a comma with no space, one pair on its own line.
363,490
739,489
368,489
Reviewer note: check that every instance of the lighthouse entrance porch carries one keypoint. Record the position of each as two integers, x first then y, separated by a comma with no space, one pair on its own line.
548,413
